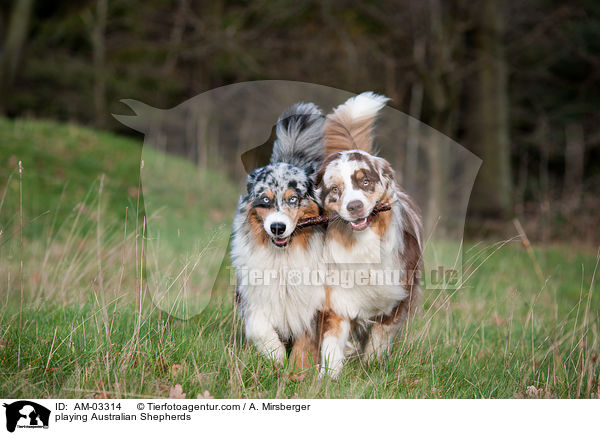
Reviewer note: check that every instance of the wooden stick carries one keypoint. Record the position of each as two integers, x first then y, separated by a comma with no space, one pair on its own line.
324,219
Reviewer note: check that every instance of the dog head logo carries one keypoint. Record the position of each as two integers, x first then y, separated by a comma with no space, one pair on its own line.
26,414
195,161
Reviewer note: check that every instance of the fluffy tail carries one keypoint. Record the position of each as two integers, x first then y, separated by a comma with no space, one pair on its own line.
299,140
350,125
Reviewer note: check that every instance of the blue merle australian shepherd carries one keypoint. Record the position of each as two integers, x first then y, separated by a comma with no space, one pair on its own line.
272,258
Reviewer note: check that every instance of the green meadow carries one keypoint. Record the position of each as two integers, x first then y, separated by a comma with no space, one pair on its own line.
77,318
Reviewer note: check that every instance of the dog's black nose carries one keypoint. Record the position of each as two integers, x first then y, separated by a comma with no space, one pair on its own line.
355,207
278,228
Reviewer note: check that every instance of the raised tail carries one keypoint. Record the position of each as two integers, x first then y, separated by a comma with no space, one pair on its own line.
350,125
299,140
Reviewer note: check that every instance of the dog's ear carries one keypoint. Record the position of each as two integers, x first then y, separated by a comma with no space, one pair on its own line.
251,180
388,176
311,172
319,177
321,172
312,191
314,194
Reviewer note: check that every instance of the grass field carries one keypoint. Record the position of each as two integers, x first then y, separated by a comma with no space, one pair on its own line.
77,319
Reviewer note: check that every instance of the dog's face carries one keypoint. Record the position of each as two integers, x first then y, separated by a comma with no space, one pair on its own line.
278,195
351,183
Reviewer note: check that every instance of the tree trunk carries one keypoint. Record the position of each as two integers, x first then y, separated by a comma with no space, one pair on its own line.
489,135
413,135
10,57
574,158
99,50
521,187
176,38
436,204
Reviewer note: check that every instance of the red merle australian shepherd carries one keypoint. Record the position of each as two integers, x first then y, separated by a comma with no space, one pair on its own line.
381,251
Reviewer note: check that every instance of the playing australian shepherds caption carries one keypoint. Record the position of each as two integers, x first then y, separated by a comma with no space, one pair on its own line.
327,205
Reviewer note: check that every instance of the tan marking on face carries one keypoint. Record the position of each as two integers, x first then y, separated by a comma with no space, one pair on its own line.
338,181
288,194
269,193
256,217
301,237
381,221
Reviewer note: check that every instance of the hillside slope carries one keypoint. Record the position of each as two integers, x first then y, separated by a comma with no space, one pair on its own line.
62,168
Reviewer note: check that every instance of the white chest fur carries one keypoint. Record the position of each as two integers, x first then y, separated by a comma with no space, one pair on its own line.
370,274
281,286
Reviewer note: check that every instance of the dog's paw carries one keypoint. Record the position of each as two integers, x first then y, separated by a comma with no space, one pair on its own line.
296,376
332,373
277,356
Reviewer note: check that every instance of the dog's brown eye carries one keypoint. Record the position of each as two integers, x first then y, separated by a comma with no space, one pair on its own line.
366,182
334,189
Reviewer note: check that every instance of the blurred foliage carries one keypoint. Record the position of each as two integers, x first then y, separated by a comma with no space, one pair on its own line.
163,52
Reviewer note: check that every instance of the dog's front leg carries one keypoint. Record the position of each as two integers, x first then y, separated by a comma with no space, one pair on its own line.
262,334
303,356
381,339
384,331
336,332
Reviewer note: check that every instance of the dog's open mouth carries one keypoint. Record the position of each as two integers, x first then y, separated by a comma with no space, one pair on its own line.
280,242
361,224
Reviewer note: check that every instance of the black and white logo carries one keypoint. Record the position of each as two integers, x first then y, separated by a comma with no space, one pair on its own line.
25,414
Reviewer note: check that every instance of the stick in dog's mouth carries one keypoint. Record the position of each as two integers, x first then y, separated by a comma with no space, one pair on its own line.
325,219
